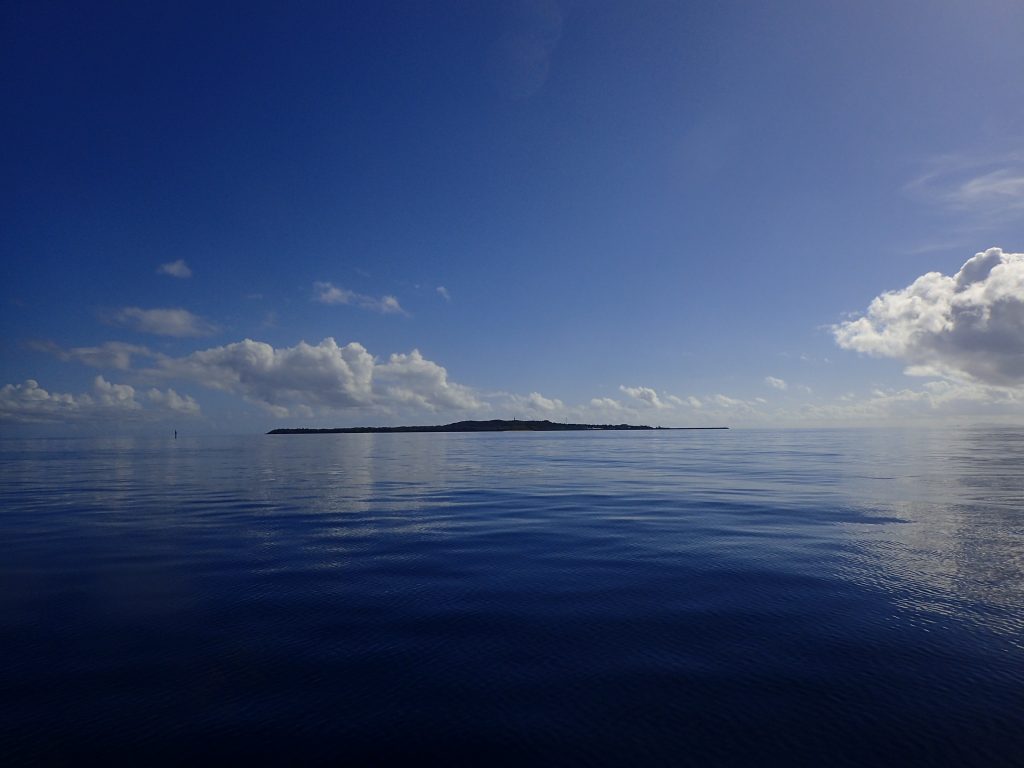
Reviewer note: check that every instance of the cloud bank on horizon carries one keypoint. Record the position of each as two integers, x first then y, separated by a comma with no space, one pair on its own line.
964,331
28,403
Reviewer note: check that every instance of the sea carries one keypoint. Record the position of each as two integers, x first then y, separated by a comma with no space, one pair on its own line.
740,597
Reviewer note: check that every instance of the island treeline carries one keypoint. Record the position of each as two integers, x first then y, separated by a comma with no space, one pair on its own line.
493,425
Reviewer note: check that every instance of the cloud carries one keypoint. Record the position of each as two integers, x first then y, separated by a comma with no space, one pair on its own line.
443,293
987,186
775,383
934,401
546,404
161,322
532,406
970,325
327,293
28,403
645,395
322,378
323,375
726,402
412,379
1002,189
172,401
116,395
175,269
111,355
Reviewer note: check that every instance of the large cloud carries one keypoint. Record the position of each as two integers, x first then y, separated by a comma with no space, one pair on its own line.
970,325
30,403
322,377
413,379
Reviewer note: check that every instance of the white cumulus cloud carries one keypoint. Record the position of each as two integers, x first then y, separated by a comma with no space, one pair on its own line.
412,379
175,269
531,406
162,322
183,404
117,395
323,375
30,403
306,379
645,395
776,383
969,325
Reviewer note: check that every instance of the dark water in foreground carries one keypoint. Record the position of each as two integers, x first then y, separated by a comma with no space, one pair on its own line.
612,598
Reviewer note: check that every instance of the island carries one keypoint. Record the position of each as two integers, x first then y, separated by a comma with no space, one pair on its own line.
494,425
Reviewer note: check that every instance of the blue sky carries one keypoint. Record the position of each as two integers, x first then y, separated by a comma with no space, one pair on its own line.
673,213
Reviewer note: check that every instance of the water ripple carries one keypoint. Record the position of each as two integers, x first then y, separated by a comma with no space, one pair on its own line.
715,598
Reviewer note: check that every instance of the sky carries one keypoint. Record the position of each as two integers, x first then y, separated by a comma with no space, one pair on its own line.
223,217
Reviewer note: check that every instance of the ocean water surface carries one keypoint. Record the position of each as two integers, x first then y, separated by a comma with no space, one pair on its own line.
662,598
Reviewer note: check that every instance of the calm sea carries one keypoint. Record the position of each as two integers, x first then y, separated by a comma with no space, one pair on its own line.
741,597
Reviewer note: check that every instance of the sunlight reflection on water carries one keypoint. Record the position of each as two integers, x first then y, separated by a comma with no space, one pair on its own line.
510,596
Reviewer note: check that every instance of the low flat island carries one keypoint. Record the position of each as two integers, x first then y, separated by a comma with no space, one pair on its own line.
494,425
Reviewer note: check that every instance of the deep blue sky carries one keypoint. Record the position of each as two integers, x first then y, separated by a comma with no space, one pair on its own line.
684,197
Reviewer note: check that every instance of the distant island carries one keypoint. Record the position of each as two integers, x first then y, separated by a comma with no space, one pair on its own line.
494,425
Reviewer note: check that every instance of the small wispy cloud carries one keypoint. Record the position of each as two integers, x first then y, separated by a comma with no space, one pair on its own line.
328,293
175,269
776,383
443,293
110,355
988,187
161,322
1003,189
